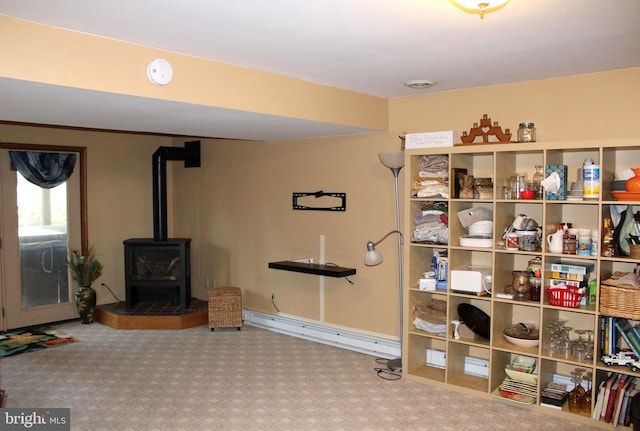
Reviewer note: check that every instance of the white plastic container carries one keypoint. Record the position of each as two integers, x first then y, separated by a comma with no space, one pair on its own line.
590,180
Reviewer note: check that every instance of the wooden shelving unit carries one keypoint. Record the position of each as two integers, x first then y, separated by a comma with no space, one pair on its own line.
500,161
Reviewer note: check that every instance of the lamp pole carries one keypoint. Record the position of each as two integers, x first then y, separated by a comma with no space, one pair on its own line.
396,364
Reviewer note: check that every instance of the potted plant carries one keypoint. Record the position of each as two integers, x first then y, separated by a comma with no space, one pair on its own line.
84,270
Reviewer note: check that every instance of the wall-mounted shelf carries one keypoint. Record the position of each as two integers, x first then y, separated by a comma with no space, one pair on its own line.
313,268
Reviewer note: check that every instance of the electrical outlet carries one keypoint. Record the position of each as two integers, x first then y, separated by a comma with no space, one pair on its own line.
307,260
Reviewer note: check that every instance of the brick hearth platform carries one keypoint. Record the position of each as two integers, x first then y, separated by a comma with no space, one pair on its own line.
153,315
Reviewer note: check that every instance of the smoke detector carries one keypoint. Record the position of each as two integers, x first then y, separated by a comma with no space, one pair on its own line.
159,71
419,84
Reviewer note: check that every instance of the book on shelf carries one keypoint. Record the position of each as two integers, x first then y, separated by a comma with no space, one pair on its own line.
604,394
625,381
582,268
627,412
606,347
612,335
614,396
610,398
608,338
625,405
554,395
625,330
636,331
597,408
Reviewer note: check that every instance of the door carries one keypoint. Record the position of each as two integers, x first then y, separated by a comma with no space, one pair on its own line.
37,227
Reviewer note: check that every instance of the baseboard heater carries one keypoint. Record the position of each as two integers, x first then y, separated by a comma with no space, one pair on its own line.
322,333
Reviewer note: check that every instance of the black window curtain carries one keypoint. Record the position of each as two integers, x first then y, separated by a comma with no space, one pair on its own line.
46,170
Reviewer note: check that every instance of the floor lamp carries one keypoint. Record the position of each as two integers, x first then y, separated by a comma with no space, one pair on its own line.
395,162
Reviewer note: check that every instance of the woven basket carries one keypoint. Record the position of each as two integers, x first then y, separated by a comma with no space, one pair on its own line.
225,307
620,301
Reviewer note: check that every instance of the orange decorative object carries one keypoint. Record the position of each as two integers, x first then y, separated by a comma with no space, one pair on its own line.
484,130
633,183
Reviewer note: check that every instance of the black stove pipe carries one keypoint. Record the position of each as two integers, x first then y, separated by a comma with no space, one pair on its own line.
191,156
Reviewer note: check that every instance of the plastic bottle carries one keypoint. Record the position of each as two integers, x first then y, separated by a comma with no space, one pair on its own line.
595,243
590,180
608,247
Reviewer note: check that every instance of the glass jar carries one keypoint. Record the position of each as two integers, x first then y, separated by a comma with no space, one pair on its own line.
538,177
526,132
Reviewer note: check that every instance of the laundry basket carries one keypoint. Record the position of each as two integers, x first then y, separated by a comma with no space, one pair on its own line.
225,307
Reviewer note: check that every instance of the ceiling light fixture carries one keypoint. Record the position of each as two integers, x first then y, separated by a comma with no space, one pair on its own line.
479,6
419,84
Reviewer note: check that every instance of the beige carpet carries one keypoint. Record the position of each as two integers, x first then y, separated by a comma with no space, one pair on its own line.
194,379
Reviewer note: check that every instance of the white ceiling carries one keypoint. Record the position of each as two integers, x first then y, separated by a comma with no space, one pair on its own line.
368,46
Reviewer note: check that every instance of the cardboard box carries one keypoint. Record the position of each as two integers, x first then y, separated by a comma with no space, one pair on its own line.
561,194
447,138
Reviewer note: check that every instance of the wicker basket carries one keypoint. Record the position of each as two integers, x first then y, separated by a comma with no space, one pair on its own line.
225,307
620,301
569,298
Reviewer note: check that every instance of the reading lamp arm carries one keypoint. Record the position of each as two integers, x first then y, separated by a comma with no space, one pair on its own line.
372,244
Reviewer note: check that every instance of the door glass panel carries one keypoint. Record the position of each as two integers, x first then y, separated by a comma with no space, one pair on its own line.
42,231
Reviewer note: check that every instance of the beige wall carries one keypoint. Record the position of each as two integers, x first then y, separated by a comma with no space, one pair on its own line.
591,106
240,216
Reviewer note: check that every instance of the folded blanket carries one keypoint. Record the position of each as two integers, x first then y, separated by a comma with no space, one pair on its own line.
434,164
434,231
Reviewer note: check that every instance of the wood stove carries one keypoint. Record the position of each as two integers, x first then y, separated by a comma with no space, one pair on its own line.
159,269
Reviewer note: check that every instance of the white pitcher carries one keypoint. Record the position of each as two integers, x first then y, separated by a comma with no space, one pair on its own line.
554,240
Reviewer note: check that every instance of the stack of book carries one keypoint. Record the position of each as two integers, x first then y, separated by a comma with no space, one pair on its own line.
576,275
554,395
613,402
